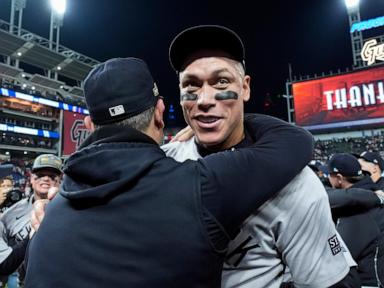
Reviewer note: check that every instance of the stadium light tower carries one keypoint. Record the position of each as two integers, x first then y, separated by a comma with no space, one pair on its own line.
353,9
58,8
352,3
17,6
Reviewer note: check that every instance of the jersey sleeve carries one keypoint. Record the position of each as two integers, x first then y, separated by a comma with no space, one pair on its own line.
5,250
344,200
308,241
236,183
15,258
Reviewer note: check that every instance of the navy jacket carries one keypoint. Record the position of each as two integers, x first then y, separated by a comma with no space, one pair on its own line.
361,225
127,216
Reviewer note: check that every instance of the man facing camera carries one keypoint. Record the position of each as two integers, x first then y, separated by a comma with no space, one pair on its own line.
296,222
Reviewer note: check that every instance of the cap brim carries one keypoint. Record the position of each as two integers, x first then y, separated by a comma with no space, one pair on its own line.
205,37
46,168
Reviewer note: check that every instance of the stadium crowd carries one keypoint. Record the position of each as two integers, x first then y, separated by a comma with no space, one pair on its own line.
325,148
53,95
15,139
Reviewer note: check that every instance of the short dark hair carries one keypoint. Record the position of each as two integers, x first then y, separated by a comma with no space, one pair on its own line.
6,178
139,122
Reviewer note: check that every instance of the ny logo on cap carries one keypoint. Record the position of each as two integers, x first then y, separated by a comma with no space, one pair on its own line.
117,110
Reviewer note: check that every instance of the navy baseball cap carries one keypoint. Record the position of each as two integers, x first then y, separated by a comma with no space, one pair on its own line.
5,170
315,165
205,37
345,164
373,157
324,169
119,88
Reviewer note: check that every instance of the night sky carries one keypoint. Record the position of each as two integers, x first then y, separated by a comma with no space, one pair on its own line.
312,35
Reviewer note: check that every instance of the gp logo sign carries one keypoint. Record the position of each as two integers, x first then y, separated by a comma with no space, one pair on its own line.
79,132
372,52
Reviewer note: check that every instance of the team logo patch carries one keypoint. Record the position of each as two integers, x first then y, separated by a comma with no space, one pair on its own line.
334,244
117,110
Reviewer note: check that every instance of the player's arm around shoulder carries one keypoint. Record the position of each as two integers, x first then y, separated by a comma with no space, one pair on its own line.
309,243
353,198
245,178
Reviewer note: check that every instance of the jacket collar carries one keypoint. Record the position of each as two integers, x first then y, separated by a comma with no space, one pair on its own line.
116,133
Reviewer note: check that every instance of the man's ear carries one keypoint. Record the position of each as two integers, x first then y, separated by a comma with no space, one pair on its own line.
89,124
32,180
246,93
340,178
159,113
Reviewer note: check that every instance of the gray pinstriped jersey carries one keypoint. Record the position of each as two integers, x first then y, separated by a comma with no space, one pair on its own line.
293,229
5,250
16,220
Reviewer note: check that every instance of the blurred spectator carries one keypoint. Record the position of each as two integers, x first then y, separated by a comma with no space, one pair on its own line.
325,148
372,163
25,140
6,185
44,93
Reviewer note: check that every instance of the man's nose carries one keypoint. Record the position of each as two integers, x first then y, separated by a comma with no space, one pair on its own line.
206,98
45,178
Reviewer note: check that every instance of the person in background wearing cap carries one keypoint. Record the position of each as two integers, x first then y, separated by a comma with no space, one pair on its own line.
46,173
209,61
128,216
362,232
373,163
350,198
318,168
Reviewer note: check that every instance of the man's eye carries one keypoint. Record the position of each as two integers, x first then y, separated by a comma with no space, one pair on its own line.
223,81
190,87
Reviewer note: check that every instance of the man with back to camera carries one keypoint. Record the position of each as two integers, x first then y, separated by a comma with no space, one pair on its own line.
366,246
297,222
128,216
